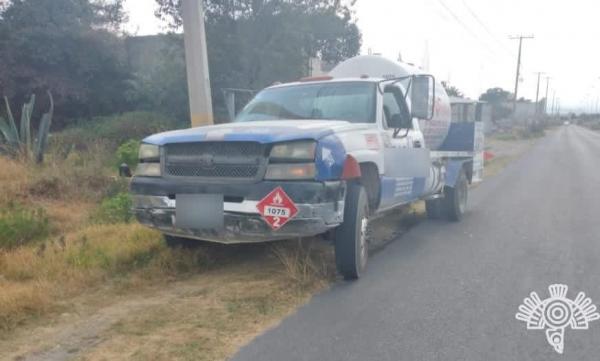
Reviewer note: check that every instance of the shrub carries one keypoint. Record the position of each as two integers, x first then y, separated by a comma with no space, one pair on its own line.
114,130
115,209
128,153
19,226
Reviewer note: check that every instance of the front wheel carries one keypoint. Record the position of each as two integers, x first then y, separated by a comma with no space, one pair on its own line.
351,237
455,198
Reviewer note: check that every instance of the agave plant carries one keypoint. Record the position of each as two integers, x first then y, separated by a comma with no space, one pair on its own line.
19,141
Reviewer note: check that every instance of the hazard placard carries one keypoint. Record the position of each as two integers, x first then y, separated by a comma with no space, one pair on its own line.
277,208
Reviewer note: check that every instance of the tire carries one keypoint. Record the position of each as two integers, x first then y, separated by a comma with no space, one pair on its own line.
434,208
180,242
351,237
455,199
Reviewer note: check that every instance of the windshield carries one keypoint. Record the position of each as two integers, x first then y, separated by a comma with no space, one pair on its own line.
350,101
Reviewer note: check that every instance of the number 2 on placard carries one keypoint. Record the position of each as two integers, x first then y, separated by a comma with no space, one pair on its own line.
276,221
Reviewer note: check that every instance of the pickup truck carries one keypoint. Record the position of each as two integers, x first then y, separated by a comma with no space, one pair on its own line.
323,155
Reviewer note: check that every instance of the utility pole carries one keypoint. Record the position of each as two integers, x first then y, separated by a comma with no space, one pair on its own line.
546,99
537,93
196,62
520,37
553,101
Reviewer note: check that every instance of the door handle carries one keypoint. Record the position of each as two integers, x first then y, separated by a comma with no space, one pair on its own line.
417,144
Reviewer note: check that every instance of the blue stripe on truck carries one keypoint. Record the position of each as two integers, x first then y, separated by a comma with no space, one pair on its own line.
330,158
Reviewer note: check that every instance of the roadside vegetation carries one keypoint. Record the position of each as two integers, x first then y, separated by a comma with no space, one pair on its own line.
532,131
592,122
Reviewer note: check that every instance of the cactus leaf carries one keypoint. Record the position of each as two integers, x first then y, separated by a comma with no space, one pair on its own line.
26,123
17,141
8,135
11,121
43,131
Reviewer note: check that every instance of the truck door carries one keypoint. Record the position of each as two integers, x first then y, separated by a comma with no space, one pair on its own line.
406,161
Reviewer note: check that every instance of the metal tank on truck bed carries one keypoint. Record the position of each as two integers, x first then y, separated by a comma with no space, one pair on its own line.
322,155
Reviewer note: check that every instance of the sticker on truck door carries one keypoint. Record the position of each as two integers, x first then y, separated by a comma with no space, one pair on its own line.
277,208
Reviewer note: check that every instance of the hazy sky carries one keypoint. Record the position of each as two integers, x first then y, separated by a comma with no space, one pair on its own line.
467,41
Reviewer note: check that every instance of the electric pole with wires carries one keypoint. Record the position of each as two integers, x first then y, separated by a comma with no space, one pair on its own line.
520,38
546,99
537,94
194,36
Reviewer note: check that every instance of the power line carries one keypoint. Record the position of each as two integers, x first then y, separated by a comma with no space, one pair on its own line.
465,27
485,27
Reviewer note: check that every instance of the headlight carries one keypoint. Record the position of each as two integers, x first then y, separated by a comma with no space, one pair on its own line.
302,151
294,171
149,165
148,170
149,153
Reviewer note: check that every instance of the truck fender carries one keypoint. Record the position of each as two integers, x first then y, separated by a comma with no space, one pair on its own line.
453,168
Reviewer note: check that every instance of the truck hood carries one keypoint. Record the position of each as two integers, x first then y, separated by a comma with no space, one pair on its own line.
259,131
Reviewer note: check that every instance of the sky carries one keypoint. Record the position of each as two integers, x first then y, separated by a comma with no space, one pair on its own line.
468,42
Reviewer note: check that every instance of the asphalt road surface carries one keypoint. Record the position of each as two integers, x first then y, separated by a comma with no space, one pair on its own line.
450,291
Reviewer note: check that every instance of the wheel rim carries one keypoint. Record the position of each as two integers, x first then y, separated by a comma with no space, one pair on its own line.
363,245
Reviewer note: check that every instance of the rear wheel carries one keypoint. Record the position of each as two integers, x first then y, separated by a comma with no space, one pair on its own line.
455,199
351,237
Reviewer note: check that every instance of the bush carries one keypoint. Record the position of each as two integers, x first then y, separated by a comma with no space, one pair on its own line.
114,130
19,226
128,153
115,209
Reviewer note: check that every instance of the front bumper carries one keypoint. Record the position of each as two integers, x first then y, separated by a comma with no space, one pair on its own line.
320,208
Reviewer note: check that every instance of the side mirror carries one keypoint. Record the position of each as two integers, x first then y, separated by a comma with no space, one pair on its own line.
400,122
422,96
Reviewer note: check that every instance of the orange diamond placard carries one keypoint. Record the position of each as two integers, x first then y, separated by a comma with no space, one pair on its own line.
277,208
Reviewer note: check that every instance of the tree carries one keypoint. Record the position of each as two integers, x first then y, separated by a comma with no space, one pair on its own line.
160,84
452,91
67,46
498,98
253,43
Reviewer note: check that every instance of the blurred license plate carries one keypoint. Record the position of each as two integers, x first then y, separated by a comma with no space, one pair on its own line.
199,211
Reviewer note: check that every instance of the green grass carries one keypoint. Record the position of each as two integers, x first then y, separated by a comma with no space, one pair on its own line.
116,209
20,226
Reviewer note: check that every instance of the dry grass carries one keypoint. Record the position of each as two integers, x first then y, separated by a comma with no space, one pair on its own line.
36,278
14,181
307,262
76,176
18,299
211,315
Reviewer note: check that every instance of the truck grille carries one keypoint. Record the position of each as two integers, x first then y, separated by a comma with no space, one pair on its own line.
238,160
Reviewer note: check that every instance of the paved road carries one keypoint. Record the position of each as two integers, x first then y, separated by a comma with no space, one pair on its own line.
450,291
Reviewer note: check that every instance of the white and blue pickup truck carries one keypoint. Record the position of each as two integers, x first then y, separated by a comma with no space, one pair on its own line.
323,155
